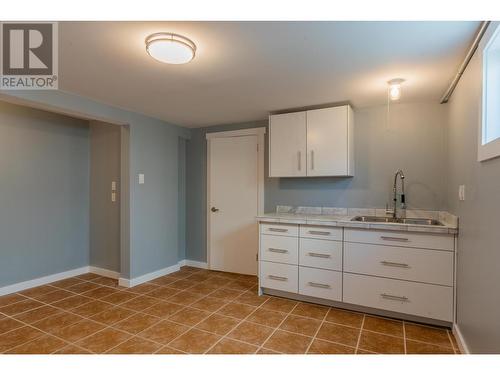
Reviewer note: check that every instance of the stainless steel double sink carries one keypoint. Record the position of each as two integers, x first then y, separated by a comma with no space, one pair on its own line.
412,221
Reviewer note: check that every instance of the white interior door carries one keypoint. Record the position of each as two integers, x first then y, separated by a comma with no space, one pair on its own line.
233,204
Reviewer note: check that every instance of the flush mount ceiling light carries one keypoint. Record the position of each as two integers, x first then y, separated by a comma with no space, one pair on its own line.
170,48
395,88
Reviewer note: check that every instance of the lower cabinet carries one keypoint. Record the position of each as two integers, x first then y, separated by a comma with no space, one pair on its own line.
383,270
279,276
430,301
320,283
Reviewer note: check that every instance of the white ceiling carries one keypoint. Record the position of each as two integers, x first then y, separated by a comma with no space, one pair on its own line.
244,70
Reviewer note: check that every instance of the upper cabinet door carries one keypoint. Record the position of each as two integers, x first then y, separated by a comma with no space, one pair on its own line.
287,145
328,138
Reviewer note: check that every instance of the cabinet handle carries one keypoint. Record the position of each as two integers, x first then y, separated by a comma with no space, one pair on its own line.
278,278
281,230
387,238
394,264
393,297
281,251
321,233
312,160
299,160
318,255
318,285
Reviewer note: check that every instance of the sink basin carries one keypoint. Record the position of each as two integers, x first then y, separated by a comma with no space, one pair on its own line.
413,221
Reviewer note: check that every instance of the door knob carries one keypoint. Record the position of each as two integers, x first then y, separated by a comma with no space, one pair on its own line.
213,209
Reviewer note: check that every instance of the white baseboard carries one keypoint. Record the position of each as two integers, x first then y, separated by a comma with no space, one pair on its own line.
104,272
13,288
129,283
194,263
460,339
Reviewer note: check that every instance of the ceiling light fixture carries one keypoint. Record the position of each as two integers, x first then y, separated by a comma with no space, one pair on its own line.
170,48
395,88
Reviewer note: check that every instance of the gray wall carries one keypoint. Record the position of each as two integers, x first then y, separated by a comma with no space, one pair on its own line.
104,214
414,140
153,150
44,193
478,275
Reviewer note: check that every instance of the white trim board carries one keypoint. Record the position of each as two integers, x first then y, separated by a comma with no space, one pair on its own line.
237,133
460,339
195,263
104,272
13,288
129,283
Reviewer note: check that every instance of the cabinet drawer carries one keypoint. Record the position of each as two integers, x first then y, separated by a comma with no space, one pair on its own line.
320,283
320,232
320,254
430,301
279,276
429,266
279,249
407,239
280,229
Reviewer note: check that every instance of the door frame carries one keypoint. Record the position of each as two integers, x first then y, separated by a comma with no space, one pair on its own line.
260,133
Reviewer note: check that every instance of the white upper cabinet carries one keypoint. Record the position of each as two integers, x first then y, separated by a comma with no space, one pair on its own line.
312,143
287,145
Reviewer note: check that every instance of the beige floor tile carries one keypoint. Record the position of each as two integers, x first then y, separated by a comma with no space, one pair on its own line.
163,293
54,296
218,324
416,347
140,303
168,350
327,347
163,309
280,304
228,346
344,317
71,302
226,294
104,340
381,325
301,325
310,310
8,324
339,334
112,315
194,341
100,292
267,317
239,285
57,321
287,342
431,335
17,337
78,331
252,333
209,304
236,310
37,314
72,349
380,343
182,284
137,323
163,332
189,316
82,287
9,299
42,345
119,297
20,307
92,308
251,299
201,288
142,288
185,298
136,345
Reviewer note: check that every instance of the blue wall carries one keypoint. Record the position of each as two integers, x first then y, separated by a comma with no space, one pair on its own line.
414,139
44,193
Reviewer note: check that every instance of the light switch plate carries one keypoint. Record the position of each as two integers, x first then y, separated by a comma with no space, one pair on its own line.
461,192
113,197
113,185
141,178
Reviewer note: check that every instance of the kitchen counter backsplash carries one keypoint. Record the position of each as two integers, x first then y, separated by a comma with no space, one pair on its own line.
339,216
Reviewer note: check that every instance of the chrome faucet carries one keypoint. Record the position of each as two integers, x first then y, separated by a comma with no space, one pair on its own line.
399,173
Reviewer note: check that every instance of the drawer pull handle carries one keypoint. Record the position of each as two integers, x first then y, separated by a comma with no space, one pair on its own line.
321,233
393,297
278,278
281,251
387,238
318,285
281,230
394,264
318,255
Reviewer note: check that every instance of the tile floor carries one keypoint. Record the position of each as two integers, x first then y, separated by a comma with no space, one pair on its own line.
195,311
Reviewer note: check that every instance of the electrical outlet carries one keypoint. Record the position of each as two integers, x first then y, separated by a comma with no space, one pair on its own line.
141,178
461,192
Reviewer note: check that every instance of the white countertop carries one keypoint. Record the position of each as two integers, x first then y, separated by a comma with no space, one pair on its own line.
448,227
